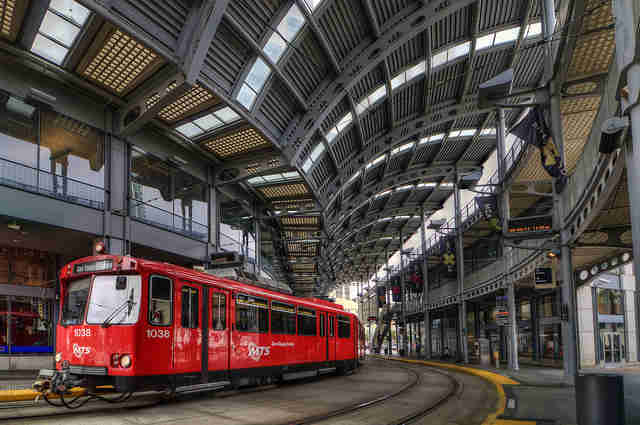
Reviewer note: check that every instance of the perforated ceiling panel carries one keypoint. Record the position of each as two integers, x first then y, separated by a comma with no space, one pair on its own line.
284,190
11,14
117,61
236,143
195,100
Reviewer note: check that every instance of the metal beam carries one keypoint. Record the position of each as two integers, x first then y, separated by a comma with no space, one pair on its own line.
195,39
468,71
317,31
391,113
357,123
371,17
257,50
331,91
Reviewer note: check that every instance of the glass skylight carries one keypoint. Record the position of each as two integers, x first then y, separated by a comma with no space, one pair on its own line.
342,124
312,4
467,132
274,178
423,185
450,54
507,36
355,176
402,148
434,138
488,132
381,194
208,122
253,83
408,75
284,34
376,161
405,187
59,29
377,94
313,157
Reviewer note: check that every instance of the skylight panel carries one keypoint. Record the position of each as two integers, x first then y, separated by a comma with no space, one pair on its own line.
258,75
291,23
424,185
506,36
381,194
459,50
353,177
377,94
17,106
246,96
488,132
401,217
307,165
403,188
226,115
485,41
291,175
189,130
398,80
275,47
317,151
432,139
71,9
257,180
59,29
331,134
208,122
312,4
344,122
376,161
362,106
454,133
467,132
402,148
534,30
438,59
415,71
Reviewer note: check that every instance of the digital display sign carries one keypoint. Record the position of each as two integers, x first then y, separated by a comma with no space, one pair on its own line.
93,266
539,224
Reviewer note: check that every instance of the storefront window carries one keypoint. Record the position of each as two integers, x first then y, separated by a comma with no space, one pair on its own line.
550,342
524,311
548,306
168,197
4,330
31,325
610,301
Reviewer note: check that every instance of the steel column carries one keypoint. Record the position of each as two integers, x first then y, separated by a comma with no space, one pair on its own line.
388,312
462,314
403,301
425,286
506,251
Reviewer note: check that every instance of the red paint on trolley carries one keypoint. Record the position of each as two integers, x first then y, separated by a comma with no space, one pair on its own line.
189,309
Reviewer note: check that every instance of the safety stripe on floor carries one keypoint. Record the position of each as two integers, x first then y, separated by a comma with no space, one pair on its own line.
495,378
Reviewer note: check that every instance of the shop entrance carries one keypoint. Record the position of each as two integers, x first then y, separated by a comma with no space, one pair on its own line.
611,347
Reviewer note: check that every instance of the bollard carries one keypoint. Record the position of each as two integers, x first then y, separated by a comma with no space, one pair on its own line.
600,399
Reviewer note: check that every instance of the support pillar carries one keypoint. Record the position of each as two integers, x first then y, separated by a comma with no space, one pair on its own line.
258,239
388,312
403,301
462,313
506,251
425,286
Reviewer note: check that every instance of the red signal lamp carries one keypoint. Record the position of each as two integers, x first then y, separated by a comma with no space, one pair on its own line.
100,248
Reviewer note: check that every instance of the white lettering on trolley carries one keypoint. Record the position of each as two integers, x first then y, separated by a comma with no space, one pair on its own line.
282,344
79,351
82,332
256,352
158,333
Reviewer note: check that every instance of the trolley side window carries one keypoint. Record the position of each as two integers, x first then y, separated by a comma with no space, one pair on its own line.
190,307
283,318
306,322
160,301
322,325
252,314
331,325
344,326
219,312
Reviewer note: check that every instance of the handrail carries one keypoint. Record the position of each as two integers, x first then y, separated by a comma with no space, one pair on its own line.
200,231
32,179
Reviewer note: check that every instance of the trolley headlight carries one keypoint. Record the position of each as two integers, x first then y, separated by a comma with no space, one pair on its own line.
125,360
58,357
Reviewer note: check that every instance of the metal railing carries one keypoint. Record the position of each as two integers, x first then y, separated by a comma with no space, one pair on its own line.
158,217
24,177
470,210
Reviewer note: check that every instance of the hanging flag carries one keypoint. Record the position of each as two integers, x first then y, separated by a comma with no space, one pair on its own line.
534,131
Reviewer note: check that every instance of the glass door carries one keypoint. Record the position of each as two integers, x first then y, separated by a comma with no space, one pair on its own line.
611,347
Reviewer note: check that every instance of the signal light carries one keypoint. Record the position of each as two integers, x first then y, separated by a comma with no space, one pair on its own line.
99,248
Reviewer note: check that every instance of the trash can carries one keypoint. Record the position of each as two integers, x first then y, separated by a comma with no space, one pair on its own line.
600,399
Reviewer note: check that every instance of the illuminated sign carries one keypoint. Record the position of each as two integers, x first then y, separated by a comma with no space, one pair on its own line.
544,278
93,266
538,224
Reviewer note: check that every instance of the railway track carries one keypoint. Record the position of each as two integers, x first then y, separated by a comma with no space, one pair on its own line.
405,420
138,405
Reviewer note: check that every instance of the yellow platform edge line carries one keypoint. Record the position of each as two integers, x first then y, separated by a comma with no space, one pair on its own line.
496,379
8,396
